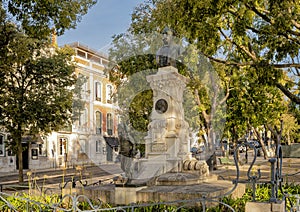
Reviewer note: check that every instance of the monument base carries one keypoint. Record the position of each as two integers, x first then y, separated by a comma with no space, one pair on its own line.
265,206
124,195
183,178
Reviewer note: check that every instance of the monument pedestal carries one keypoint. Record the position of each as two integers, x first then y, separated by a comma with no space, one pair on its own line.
126,195
166,148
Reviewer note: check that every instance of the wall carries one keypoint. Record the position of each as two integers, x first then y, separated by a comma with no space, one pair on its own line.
291,151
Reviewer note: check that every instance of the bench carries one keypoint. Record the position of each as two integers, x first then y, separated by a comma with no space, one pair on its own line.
226,161
16,187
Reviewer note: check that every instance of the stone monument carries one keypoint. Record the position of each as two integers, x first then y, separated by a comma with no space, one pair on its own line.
167,148
167,172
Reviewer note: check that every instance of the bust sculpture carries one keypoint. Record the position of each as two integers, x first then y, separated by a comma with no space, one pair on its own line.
169,52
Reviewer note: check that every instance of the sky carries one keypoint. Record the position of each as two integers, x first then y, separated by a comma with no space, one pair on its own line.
103,20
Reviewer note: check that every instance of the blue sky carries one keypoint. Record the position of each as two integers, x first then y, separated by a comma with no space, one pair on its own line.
106,18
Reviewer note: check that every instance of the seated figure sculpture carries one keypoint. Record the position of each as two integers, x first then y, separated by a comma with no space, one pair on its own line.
169,52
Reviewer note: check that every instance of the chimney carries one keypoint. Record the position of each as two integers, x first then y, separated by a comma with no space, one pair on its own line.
53,38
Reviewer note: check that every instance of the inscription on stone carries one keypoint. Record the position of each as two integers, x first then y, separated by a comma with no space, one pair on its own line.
159,147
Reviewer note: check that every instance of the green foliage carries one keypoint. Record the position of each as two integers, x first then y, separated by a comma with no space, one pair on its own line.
293,133
290,133
135,102
262,194
140,110
45,203
259,34
154,208
35,96
251,51
38,18
35,85
78,102
237,204
132,55
251,104
24,201
19,201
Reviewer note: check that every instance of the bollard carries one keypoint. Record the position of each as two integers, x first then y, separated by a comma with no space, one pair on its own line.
273,180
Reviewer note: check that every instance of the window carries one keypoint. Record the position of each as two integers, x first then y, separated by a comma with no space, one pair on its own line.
34,154
82,146
119,119
10,152
63,146
109,124
84,90
98,122
2,146
98,146
98,91
109,93
42,149
83,117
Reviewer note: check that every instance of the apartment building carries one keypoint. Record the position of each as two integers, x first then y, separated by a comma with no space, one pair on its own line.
92,138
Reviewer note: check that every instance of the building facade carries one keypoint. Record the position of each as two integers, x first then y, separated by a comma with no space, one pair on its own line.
92,138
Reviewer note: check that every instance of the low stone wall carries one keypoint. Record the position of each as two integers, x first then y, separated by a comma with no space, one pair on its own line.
106,193
127,195
291,151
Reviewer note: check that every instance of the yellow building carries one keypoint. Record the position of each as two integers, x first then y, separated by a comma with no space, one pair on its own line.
92,138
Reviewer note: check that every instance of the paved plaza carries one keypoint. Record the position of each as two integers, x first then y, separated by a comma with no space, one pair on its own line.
290,170
54,177
106,172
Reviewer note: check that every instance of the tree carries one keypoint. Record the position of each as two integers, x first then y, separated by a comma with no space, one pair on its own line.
262,37
133,57
130,62
290,128
260,34
252,105
78,104
35,80
294,112
39,18
35,94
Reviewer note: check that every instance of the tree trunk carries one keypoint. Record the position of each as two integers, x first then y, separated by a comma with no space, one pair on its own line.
20,161
262,143
235,143
277,132
18,139
209,140
288,138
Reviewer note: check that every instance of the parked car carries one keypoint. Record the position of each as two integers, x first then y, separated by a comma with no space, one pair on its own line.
242,148
255,143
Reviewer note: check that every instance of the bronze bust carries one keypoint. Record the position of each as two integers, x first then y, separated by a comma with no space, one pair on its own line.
169,52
